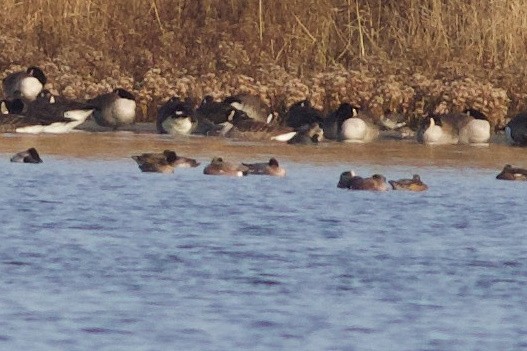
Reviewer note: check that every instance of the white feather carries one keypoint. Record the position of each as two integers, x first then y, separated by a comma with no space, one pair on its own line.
508,134
476,131
284,137
78,117
178,126
434,135
125,109
3,108
356,130
30,87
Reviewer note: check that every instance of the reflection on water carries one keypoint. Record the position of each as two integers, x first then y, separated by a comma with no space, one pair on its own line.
97,255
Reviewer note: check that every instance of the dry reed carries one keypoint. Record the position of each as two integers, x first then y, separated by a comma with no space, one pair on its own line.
408,55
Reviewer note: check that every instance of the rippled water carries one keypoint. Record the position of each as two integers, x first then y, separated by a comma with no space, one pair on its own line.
95,255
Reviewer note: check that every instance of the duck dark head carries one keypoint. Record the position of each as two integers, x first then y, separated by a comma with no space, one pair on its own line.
33,156
379,177
273,162
170,156
345,179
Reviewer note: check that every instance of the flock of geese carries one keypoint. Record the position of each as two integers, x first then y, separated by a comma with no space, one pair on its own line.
28,107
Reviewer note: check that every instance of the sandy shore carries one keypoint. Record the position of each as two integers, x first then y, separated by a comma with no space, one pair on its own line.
142,138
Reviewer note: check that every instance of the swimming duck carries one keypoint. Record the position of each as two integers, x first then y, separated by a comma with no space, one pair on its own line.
114,109
516,130
164,162
29,156
467,127
349,180
414,184
176,117
271,168
345,179
252,105
512,173
220,167
302,113
25,85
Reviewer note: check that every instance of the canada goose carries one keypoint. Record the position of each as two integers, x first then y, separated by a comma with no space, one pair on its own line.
302,113
359,128
15,106
47,106
216,112
307,134
241,126
45,114
391,120
114,109
467,127
516,130
25,85
252,105
332,124
176,117
14,123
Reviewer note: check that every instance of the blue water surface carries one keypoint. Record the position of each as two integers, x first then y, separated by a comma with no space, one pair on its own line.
95,255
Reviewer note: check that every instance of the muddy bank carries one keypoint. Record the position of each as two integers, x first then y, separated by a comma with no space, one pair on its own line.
141,138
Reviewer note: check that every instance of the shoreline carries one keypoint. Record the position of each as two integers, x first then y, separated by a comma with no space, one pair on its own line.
142,138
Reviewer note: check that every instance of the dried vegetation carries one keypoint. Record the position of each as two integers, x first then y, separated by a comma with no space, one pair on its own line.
410,56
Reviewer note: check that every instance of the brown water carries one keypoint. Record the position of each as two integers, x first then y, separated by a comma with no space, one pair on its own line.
112,145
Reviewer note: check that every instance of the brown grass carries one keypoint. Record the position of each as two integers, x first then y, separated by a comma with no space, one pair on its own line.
296,48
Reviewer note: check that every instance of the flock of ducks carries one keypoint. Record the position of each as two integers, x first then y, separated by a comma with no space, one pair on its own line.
28,107
168,161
